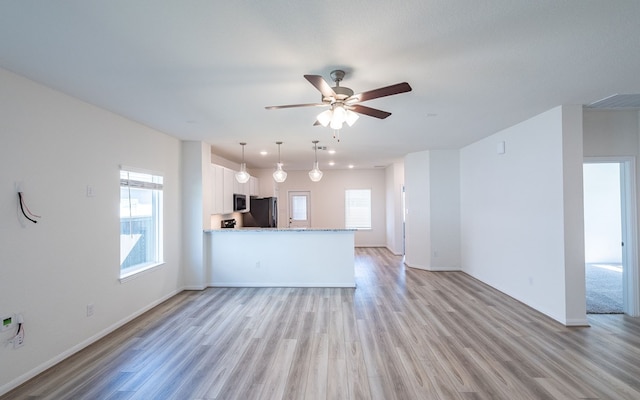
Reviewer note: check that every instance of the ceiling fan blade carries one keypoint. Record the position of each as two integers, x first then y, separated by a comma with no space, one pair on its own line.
295,105
372,112
319,83
381,92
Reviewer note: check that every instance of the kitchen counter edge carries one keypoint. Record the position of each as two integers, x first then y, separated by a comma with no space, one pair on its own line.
249,229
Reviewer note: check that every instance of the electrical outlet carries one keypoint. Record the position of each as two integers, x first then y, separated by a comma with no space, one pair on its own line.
89,310
18,339
18,186
90,191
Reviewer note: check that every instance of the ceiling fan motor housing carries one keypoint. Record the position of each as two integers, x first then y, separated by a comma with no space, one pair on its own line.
341,92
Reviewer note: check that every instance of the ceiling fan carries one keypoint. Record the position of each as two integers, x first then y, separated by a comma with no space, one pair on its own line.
344,106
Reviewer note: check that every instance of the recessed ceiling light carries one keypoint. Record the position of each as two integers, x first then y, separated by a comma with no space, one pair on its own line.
350,165
332,151
331,163
263,153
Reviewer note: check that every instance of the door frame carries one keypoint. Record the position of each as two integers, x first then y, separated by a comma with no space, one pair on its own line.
628,207
293,192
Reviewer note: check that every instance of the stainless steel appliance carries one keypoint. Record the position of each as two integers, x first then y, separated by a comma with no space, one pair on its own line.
239,202
263,213
228,223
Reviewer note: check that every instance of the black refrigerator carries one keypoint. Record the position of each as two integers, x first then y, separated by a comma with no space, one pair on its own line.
263,213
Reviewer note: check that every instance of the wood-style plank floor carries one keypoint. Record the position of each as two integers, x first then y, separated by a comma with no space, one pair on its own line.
402,334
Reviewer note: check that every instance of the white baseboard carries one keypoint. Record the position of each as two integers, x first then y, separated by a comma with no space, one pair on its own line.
194,287
577,322
393,251
71,351
433,269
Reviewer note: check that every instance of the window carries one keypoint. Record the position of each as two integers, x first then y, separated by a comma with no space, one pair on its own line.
299,208
357,208
140,221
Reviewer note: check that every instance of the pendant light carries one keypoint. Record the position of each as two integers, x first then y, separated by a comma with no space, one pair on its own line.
315,174
279,175
243,176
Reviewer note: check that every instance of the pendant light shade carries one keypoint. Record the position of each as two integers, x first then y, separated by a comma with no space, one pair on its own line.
339,116
351,118
315,174
279,175
243,176
324,118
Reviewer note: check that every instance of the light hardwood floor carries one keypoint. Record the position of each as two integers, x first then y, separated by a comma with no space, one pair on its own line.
401,334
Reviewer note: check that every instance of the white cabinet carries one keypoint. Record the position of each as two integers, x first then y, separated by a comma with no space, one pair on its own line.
221,189
254,186
228,181
217,189
224,185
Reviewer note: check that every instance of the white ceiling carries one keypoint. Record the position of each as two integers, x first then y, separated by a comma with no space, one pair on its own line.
205,70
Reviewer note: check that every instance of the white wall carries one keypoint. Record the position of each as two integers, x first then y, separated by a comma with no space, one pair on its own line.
610,133
394,178
432,186
327,200
521,213
445,209
196,210
49,271
418,210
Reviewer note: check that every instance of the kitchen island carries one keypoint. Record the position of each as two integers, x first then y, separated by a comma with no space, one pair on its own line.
272,257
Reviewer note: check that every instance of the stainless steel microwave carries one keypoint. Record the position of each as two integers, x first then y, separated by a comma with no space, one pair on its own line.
239,202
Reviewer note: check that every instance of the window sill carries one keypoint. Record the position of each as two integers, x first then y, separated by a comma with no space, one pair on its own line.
134,273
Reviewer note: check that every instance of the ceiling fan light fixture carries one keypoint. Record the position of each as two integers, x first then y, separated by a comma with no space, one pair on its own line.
343,102
351,118
339,114
243,176
324,118
335,124
279,175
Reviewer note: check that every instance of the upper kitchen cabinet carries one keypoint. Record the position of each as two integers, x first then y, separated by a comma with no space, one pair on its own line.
217,189
240,188
254,186
224,185
222,189
227,201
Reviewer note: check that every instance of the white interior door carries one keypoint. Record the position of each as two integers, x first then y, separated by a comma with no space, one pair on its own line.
299,210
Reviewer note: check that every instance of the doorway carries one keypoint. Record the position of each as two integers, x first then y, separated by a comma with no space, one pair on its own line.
610,236
299,210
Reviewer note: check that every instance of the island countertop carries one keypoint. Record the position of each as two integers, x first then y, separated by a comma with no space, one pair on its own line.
255,229
277,257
